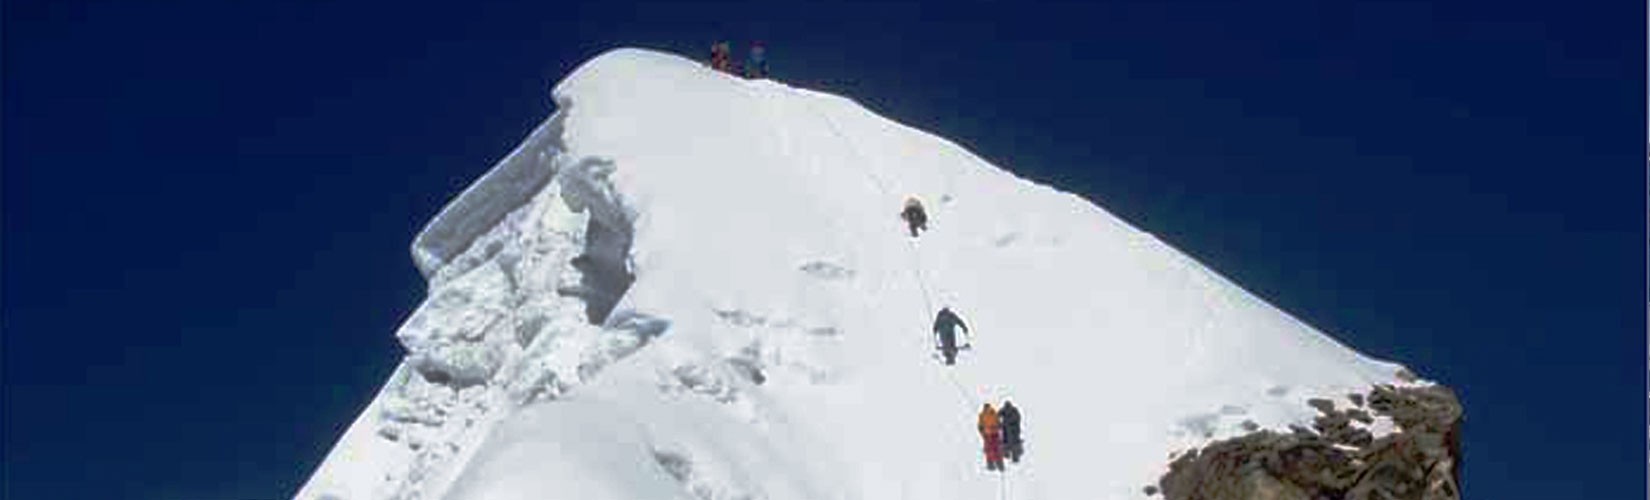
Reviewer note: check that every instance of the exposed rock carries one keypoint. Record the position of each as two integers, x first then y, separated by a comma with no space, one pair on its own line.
1322,405
1337,427
1361,416
1335,460
1407,376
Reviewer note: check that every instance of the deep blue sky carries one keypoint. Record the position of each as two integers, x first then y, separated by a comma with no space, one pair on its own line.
207,204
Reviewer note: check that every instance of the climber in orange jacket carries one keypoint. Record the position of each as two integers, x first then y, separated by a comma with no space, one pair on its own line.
991,432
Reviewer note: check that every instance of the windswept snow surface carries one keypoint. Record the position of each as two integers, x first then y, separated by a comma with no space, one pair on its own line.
689,285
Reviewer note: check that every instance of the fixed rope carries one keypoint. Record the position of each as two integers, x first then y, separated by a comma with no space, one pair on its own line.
1002,479
865,165
917,275
922,281
882,186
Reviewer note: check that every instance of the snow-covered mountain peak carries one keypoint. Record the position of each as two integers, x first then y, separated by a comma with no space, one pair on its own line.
685,284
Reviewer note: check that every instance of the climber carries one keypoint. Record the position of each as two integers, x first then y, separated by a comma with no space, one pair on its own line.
991,433
1009,417
945,325
756,64
721,57
914,216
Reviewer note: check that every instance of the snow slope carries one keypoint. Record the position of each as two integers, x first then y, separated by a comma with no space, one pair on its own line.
689,285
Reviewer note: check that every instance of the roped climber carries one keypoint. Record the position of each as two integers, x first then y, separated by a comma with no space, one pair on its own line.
1009,418
946,324
991,434
914,216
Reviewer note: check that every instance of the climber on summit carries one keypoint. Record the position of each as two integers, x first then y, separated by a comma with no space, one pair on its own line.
991,433
945,325
1009,417
756,64
721,57
914,216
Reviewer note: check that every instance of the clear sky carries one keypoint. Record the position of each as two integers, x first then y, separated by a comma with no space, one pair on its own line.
207,204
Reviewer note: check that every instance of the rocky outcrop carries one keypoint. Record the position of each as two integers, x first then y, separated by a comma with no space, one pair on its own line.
1339,458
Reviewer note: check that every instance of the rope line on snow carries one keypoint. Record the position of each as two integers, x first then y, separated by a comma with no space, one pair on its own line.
877,182
917,274
922,284
865,165
968,399
882,186
1002,479
921,279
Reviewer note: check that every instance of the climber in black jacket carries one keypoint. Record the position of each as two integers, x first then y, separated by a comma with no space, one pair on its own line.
945,325
914,216
1009,418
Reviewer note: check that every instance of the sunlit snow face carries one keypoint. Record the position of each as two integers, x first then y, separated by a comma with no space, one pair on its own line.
1112,340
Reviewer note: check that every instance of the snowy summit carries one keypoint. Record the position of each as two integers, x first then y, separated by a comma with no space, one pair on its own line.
685,284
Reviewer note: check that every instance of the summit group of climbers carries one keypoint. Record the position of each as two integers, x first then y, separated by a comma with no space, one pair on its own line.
999,428
756,60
